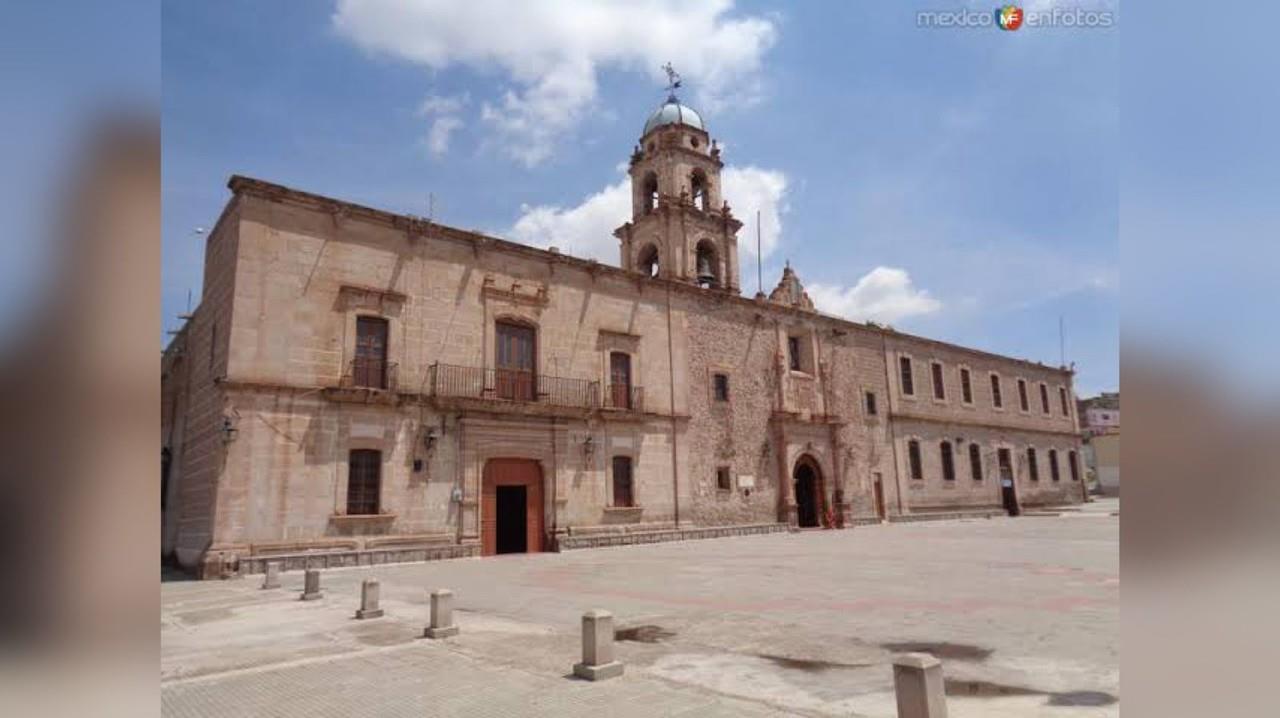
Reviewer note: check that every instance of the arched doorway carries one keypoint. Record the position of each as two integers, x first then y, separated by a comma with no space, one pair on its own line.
807,483
511,507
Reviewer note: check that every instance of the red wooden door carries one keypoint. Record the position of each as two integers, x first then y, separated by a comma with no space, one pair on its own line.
620,380
511,472
370,365
515,356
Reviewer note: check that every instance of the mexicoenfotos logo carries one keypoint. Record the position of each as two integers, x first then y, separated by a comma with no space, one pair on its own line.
1013,17
1009,17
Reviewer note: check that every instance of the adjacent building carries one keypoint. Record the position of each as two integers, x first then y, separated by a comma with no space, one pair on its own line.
359,386
1100,427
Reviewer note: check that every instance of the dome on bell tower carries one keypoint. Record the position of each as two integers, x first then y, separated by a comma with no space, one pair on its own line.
672,112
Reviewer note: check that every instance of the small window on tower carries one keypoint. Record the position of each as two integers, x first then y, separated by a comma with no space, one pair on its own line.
720,386
724,480
650,191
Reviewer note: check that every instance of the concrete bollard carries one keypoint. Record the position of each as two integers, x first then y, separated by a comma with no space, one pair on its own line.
918,684
272,577
369,591
597,647
311,585
441,615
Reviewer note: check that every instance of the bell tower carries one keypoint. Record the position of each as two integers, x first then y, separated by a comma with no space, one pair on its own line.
680,226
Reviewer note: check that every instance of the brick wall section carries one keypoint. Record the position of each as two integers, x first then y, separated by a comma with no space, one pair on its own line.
205,347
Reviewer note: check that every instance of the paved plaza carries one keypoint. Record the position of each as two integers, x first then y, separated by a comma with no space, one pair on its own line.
1024,614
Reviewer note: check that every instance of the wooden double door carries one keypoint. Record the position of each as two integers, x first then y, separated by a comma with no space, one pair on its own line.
511,508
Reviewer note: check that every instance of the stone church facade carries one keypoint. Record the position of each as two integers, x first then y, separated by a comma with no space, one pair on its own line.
358,386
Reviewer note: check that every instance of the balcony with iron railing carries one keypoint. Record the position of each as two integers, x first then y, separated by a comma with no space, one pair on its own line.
492,388
367,379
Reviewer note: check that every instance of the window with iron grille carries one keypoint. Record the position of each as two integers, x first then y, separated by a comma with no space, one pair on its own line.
996,400
1062,398
1022,395
622,482
939,389
948,462
720,382
1053,465
871,403
364,481
975,462
1044,397
908,381
913,457
724,480
1032,468
966,386
1074,465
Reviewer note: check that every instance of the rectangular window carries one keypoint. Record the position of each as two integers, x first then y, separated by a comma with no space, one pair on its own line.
1062,398
1044,397
908,381
369,368
1073,464
948,462
793,352
939,390
871,403
619,380
720,386
913,457
724,480
1053,465
515,356
1032,468
975,462
622,483
364,482
1022,395
966,386
996,400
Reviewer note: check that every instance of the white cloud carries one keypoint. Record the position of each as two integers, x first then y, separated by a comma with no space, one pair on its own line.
552,52
586,230
884,294
438,135
445,110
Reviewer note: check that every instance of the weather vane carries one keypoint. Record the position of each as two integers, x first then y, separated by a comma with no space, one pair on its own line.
673,80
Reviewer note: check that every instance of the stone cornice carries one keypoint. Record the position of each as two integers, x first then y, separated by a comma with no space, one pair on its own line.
961,421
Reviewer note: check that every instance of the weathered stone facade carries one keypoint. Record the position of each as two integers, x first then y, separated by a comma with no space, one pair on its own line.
731,415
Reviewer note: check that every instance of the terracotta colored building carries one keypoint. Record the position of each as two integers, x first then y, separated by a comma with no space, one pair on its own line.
358,386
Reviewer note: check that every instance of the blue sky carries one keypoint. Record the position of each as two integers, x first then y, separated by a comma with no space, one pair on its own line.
958,183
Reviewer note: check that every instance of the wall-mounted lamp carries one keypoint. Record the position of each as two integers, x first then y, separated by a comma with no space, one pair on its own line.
229,430
429,440
588,447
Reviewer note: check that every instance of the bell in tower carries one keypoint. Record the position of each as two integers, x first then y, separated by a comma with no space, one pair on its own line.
680,229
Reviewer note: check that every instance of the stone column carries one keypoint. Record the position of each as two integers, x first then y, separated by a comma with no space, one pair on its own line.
272,577
311,585
369,592
597,647
442,625
918,683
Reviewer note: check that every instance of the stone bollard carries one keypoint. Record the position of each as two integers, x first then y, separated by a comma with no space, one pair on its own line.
441,615
917,681
369,599
597,647
272,577
311,585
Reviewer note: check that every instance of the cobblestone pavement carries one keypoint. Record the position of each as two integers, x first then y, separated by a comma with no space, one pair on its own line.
1023,612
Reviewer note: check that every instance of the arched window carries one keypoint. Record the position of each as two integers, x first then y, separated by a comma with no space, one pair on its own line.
698,190
650,188
648,261
708,264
